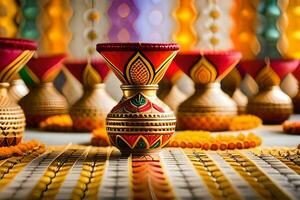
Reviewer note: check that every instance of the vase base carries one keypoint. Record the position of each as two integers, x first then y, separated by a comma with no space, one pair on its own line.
272,105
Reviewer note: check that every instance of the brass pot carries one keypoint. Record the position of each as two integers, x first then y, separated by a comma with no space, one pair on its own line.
140,122
12,119
42,102
209,108
271,104
90,111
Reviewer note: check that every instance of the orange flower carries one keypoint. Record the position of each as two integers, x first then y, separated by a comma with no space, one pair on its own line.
208,141
57,123
100,137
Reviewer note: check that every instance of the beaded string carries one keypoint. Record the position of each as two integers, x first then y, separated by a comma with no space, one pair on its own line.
218,185
52,179
91,175
25,180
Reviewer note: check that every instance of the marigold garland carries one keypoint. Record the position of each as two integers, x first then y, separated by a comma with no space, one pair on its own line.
244,122
100,137
21,149
291,127
57,123
208,141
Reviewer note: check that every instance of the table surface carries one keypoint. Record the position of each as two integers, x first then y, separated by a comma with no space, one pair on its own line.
272,136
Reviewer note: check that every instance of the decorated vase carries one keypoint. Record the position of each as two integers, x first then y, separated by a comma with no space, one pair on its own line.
43,99
270,104
231,86
168,91
140,122
90,111
14,54
209,108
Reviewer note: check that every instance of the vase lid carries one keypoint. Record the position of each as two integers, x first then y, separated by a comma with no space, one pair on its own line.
138,63
14,54
42,69
207,66
94,73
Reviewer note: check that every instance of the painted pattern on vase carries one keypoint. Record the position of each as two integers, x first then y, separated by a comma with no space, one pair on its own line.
14,53
43,100
90,111
140,122
209,108
270,104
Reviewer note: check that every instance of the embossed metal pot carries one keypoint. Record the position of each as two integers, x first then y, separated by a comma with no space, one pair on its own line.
14,54
90,111
140,122
270,104
209,108
43,100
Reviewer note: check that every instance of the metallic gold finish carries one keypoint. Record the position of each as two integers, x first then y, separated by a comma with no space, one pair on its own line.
41,102
209,108
12,119
271,104
230,85
92,106
140,122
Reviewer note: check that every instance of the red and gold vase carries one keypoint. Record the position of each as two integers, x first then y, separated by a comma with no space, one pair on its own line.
270,104
209,108
14,53
231,86
90,111
168,91
140,122
43,100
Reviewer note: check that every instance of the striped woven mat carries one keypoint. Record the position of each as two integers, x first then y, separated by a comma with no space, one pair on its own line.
80,172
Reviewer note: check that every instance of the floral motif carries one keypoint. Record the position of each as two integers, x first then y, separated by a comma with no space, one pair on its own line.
137,104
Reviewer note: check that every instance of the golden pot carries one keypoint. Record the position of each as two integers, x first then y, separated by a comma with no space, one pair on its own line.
209,108
41,102
271,104
140,121
12,119
90,111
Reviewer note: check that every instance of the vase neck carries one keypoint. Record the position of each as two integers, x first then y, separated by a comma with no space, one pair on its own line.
131,90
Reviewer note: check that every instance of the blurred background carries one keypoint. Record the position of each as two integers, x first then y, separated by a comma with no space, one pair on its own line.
257,28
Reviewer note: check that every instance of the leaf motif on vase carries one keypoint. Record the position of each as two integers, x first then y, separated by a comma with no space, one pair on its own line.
267,77
203,72
139,70
90,76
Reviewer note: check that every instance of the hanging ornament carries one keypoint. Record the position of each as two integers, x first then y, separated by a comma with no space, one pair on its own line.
213,24
243,32
122,16
30,11
185,15
55,34
268,33
8,12
154,23
290,26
